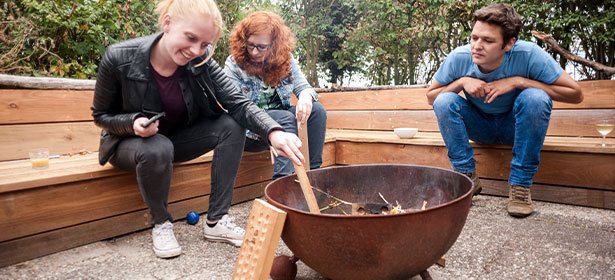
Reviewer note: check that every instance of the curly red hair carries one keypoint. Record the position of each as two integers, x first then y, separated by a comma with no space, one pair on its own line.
276,65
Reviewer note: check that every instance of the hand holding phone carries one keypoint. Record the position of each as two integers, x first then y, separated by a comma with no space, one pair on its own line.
153,119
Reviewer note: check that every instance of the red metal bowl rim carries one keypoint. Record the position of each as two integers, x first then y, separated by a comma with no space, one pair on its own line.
462,197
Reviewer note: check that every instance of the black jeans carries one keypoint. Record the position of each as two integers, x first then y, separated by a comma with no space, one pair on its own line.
152,158
316,126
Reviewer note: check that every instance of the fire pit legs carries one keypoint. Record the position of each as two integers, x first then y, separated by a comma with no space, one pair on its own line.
425,275
284,268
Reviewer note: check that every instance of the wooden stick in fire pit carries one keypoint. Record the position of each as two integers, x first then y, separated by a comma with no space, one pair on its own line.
300,170
305,145
306,188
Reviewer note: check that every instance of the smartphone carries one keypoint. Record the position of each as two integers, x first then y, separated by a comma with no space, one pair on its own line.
153,119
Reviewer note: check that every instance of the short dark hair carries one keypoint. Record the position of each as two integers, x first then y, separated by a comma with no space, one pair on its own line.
503,15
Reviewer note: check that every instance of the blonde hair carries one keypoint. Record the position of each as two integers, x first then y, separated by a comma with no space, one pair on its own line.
207,9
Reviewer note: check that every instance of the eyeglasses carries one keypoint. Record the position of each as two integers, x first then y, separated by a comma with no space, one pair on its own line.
260,48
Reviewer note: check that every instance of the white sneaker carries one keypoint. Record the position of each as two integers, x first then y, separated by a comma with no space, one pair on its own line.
225,230
165,244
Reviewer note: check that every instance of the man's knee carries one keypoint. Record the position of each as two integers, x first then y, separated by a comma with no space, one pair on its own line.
445,100
534,98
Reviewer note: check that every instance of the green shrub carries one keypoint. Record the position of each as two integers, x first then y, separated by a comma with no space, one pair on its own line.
67,38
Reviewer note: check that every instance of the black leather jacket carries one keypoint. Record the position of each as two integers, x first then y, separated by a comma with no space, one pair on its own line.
125,91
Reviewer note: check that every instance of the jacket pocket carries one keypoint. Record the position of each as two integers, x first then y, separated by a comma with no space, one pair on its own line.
108,144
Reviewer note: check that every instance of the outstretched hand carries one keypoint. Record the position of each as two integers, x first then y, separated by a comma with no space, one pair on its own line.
286,144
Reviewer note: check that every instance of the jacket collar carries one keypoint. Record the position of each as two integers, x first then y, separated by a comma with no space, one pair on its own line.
198,70
139,68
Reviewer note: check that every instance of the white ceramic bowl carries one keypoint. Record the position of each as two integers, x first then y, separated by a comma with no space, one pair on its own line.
405,132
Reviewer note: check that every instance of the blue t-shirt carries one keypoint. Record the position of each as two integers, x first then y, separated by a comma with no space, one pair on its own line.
525,59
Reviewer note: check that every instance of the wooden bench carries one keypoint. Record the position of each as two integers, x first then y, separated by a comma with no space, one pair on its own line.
574,169
76,201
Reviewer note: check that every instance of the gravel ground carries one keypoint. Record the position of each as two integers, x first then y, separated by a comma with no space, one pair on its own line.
556,242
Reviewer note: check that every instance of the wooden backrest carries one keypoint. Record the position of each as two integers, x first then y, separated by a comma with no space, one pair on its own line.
59,120
387,109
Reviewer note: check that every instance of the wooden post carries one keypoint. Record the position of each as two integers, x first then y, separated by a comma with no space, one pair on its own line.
260,242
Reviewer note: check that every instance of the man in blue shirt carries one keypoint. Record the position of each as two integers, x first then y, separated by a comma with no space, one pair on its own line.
509,85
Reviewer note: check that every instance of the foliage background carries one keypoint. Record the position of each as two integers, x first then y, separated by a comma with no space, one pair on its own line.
378,42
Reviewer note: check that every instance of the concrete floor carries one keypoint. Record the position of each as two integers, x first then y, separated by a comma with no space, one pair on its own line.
556,242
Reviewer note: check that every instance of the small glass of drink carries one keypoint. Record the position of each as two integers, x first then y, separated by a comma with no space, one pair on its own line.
39,158
605,127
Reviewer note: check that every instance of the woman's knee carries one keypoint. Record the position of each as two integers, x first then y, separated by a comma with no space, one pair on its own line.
286,119
231,125
155,150
318,114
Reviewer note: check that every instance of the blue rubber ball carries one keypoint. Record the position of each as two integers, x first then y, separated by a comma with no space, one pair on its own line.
192,218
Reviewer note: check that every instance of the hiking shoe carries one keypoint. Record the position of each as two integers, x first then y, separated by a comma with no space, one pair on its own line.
520,202
225,230
476,181
165,244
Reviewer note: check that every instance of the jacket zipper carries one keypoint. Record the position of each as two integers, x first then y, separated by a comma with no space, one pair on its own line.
212,94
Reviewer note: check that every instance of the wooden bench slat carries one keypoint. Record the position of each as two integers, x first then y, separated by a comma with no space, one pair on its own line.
574,122
18,175
568,169
552,143
598,95
59,138
22,106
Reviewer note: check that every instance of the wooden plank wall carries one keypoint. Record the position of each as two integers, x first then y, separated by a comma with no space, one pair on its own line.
32,119
387,109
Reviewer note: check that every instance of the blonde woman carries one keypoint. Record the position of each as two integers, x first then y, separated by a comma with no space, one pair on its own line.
172,72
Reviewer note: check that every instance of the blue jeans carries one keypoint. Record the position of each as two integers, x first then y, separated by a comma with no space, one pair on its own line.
316,124
525,127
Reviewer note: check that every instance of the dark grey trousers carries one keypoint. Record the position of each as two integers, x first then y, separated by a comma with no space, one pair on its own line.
152,159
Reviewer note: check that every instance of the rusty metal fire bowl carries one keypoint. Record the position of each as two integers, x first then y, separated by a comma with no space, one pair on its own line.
395,246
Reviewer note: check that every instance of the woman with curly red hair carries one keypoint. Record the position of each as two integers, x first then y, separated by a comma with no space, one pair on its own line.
262,67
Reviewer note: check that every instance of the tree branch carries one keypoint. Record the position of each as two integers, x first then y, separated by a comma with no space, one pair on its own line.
548,39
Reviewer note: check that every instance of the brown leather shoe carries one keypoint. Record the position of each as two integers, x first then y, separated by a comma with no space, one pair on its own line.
520,202
476,181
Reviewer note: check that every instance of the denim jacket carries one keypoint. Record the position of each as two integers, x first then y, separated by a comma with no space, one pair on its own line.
251,85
